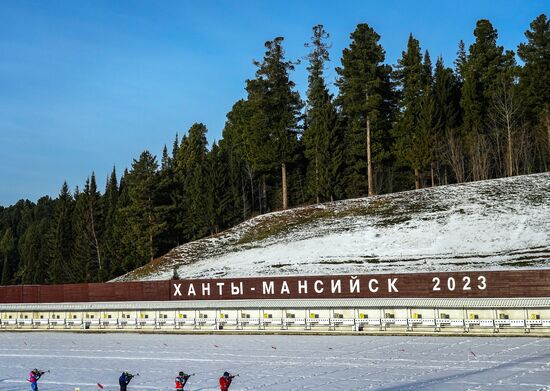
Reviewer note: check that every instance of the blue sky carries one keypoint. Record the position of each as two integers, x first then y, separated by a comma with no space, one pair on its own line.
85,85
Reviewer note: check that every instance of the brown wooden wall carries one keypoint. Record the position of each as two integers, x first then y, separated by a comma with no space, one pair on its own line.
497,284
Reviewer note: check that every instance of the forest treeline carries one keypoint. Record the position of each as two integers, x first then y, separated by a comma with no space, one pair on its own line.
389,128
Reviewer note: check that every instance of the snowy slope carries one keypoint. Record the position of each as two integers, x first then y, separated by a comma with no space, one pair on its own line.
276,363
494,224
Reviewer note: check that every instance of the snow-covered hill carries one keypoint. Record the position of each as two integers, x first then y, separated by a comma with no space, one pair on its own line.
494,224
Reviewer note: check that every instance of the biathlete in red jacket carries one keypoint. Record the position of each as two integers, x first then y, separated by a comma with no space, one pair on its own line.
34,376
225,381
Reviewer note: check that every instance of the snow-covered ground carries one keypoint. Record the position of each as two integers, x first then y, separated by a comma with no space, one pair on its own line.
276,362
494,224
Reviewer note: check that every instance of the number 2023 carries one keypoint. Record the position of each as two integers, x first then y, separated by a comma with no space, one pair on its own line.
466,281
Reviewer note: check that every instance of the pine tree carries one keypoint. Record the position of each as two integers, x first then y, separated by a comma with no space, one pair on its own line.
367,101
273,141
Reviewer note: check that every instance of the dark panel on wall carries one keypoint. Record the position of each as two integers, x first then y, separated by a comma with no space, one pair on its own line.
30,293
51,294
76,293
102,292
500,284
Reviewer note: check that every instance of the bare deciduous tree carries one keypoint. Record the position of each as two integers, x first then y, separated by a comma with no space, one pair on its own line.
504,114
480,152
453,155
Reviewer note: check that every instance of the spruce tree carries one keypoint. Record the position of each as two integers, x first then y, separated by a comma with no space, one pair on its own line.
33,244
535,82
320,132
192,171
143,217
7,245
166,202
239,165
273,140
219,196
121,244
60,240
446,93
485,62
88,251
109,203
408,74
366,97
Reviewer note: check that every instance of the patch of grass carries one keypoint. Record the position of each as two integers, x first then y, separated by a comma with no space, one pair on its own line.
373,260
350,262
280,265
388,222
285,222
524,263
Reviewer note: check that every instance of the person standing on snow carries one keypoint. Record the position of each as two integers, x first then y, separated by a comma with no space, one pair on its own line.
124,380
34,376
225,381
181,380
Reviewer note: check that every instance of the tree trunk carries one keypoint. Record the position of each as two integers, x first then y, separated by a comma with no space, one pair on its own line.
509,153
243,188
151,254
249,171
417,179
264,193
285,195
260,197
432,174
370,178
317,176
96,242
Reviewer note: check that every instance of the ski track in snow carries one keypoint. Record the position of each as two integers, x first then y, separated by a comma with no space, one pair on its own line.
382,363
494,224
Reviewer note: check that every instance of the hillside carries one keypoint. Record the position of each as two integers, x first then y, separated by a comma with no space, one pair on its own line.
503,223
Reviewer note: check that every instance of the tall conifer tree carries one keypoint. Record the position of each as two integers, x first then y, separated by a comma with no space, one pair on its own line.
535,81
319,138
366,98
60,239
273,140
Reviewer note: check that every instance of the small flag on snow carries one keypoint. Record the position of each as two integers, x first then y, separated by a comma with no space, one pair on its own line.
99,386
